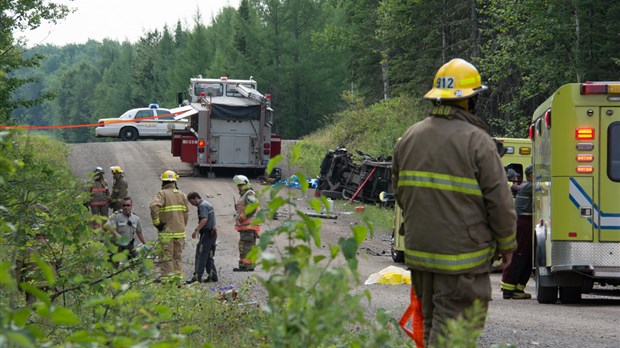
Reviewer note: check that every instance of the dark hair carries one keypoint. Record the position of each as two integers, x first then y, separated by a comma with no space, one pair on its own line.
128,199
193,195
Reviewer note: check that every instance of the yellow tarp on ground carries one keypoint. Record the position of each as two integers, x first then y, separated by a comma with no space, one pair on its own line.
390,275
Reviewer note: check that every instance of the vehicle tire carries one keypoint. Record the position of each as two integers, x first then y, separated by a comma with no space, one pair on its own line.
570,294
545,294
397,255
129,134
331,194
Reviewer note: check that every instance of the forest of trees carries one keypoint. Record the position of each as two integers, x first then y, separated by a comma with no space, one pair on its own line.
306,53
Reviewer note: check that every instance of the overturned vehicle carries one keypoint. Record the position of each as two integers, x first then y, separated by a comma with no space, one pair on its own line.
356,178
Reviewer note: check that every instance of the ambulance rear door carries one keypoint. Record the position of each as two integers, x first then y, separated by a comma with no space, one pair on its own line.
608,209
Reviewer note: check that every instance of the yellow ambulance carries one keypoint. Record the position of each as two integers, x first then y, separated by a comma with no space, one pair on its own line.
576,156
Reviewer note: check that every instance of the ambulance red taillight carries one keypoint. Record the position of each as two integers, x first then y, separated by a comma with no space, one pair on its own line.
584,133
532,132
201,146
266,148
548,118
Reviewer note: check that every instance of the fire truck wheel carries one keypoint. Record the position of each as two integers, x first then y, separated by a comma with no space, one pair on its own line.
129,134
570,294
398,256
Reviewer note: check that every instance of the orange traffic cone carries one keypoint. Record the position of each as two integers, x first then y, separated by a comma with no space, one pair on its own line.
413,313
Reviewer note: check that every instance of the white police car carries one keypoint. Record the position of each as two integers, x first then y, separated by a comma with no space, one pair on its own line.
151,122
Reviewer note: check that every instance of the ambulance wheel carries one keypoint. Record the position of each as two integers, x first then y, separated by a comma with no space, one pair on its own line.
570,294
545,294
129,134
397,255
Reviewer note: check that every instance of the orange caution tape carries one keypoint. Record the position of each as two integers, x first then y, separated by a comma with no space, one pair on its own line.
110,121
414,313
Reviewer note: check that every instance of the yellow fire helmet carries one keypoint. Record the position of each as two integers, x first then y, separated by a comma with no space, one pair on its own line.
169,175
116,169
456,80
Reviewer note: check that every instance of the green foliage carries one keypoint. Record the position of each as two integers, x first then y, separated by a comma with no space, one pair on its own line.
310,300
463,332
63,283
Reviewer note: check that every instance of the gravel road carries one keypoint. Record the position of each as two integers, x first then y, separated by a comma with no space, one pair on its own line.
593,323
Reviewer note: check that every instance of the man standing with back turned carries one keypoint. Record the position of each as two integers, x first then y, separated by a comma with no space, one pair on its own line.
205,250
457,208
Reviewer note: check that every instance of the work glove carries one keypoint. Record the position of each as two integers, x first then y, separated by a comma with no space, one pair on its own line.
160,227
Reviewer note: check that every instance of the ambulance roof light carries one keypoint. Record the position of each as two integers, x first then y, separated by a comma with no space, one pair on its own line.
591,87
532,132
548,118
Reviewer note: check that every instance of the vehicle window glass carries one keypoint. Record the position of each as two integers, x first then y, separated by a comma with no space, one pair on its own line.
210,89
168,116
231,89
613,160
144,113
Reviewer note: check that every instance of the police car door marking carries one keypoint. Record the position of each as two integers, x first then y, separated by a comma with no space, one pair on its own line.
577,195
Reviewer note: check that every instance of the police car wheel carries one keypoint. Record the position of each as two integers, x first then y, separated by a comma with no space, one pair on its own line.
129,134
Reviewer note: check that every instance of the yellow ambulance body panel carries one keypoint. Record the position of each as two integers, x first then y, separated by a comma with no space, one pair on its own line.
576,157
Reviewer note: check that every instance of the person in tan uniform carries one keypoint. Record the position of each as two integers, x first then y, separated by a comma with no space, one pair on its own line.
170,213
458,212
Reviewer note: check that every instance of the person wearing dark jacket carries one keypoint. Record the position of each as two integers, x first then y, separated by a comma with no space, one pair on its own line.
517,274
458,212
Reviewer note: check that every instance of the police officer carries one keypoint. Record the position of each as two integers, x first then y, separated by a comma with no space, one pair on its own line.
517,274
170,213
248,233
125,226
119,188
458,212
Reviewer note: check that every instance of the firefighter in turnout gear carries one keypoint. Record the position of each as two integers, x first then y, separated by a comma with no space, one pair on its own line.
516,275
170,213
248,233
458,212
119,188
99,195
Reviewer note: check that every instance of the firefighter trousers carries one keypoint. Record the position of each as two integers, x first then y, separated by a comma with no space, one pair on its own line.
171,257
446,296
518,272
247,240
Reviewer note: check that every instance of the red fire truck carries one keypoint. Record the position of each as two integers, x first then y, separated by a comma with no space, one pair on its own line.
230,125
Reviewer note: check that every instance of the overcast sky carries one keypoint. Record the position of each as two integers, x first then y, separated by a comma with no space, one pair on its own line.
122,19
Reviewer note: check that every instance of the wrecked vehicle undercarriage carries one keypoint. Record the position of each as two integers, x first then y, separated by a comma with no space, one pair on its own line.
360,179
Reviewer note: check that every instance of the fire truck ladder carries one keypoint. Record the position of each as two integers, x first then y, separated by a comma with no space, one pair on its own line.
250,93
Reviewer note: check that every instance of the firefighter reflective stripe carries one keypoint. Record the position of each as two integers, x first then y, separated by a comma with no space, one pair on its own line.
171,235
506,243
439,181
508,286
449,263
170,208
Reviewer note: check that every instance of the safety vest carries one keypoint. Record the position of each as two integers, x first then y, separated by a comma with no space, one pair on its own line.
243,222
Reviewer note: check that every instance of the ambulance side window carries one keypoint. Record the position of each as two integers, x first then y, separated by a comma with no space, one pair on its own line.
613,160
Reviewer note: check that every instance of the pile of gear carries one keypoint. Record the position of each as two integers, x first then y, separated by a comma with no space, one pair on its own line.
361,178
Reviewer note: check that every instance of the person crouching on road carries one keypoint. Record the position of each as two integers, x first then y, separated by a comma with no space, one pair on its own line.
170,213
517,274
119,188
125,226
458,213
205,250
248,233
